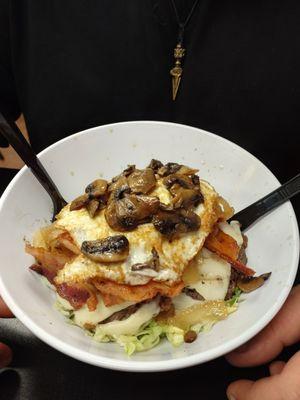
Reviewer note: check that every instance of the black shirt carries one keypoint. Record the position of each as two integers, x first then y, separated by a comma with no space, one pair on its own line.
70,65
73,64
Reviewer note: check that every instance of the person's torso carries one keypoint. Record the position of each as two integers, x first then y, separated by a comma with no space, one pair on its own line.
81,64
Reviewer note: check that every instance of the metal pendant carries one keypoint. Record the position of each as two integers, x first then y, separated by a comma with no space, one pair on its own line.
176,72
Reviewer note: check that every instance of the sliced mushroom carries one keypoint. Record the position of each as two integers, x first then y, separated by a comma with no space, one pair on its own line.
152,265
102,200
196,180
184,189
190,221
96,188
248,284
121,191
173,223
117,183
127,213
129,170
155,259
166,207
140,267
169,168
110,249
193,293
143,269
166,222
142,181
124,174
184,170
185,198
92,207
182,180
155,165
123,314
79,202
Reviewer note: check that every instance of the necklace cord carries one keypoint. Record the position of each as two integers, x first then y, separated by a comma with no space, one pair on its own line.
181,24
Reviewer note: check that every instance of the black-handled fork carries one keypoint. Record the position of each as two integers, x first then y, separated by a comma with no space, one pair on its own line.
15,138
255,211
246,217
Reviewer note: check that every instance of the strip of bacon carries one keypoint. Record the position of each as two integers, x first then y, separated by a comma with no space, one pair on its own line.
218,241
227,248
114,293
239,266
76,295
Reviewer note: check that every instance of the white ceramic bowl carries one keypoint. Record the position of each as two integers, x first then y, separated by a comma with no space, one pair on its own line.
104,151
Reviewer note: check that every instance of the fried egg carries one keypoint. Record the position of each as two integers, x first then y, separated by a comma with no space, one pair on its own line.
174,255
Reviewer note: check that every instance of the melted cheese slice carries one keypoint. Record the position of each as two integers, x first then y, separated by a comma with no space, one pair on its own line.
83,316
212,271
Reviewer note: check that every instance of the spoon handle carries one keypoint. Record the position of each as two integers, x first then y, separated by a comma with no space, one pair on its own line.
15,138
250,214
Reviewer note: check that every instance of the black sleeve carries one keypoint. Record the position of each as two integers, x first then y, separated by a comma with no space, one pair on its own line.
8,96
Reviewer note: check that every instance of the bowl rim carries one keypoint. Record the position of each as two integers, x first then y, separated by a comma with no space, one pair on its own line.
152,366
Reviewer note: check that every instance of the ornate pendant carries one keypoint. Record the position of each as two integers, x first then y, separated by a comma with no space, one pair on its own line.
176,71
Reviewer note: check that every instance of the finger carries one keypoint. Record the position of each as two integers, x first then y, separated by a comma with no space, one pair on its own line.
290,374
282,331
282,386
4,310
5,355
264,389
276,367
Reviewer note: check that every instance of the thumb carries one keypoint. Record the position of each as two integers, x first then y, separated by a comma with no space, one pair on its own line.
264,389
282,331
282,386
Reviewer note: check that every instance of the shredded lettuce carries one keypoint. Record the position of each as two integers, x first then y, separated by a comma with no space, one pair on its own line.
64,308
174,334
148,337
235,298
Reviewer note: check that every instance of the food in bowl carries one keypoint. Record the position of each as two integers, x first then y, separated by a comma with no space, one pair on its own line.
148,255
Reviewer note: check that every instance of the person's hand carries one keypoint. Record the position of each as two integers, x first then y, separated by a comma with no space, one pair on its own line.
5,351
284,380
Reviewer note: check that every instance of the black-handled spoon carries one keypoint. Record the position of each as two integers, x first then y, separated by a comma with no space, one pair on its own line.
255,211
15,138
